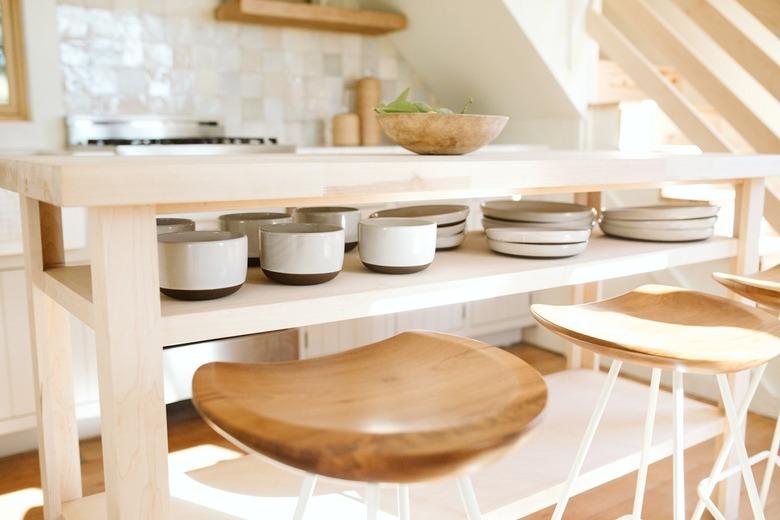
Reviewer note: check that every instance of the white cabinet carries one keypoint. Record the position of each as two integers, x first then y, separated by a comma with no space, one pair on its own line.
481,319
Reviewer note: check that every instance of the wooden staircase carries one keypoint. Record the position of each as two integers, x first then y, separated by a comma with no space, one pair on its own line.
712,66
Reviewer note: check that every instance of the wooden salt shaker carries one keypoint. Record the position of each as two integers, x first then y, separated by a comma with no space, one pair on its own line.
369,93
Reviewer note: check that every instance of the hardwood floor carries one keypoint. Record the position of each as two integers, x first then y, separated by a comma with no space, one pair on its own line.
186,430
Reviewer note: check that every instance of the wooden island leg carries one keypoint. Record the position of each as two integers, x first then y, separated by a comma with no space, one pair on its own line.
577,357
125,291
58,441
748,214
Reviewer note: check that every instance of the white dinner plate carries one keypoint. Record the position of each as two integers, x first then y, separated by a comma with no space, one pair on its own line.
582,223
535,210
451,229
538,250
689,223
450,241
538,235
656,235
663,212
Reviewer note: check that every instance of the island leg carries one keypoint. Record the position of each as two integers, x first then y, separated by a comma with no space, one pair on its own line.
748,214
58,441
577,357
126,298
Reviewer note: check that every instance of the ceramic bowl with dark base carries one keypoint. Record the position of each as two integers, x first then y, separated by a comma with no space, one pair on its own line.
249,224
173,225
301,254
201,265
397,245
345,218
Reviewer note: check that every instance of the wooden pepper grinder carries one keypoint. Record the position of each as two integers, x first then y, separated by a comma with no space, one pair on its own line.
346,130
369,94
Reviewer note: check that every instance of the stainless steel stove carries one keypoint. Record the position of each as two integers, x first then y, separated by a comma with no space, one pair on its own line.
148,135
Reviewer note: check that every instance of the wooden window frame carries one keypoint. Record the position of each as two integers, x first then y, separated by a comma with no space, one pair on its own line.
13,44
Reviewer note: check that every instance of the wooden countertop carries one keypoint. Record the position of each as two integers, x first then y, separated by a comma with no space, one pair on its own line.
178,183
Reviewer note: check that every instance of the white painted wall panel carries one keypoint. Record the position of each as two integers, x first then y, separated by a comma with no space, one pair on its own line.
329,338
14,308
5,375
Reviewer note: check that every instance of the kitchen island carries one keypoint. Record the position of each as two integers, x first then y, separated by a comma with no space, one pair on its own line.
118,296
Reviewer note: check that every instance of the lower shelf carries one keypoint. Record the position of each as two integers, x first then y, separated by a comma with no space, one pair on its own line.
94,508
527,480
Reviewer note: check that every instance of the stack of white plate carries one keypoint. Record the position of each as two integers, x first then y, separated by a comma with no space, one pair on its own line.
450,221
536,214
663,223
537,242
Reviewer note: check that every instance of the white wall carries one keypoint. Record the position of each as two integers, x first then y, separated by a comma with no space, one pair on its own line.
45,129
463,48
173,58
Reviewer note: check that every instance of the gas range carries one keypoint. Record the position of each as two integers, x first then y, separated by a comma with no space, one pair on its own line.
149,135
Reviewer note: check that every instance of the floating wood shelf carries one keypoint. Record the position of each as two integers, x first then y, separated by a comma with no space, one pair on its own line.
310,16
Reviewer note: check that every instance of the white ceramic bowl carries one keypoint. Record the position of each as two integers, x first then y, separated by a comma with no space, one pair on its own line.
201,265
532,235
537,250
586,223
451,229
249,224
446,243
664,212
345,218
397,245
173,225
656,235
301,254
688,223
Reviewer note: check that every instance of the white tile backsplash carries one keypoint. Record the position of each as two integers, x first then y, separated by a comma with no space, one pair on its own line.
172,57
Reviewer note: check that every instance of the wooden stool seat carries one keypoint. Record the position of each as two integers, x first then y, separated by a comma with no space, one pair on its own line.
762,288
663,326
414,407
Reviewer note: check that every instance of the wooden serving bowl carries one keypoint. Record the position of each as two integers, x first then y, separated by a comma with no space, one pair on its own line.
441,134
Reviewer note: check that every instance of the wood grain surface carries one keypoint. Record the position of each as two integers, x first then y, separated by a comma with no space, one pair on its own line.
763,287
664,326
364,415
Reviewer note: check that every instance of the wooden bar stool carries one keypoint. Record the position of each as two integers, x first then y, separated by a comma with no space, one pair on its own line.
764,289
415,407
679,330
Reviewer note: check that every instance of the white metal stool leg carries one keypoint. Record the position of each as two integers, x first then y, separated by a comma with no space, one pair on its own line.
404,508
469,498
678,442
590,432
372,501
772,461
307,489
707,486
739,446
647,443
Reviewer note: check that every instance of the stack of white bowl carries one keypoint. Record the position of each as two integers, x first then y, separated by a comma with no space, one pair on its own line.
536,214
662,223
450,220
